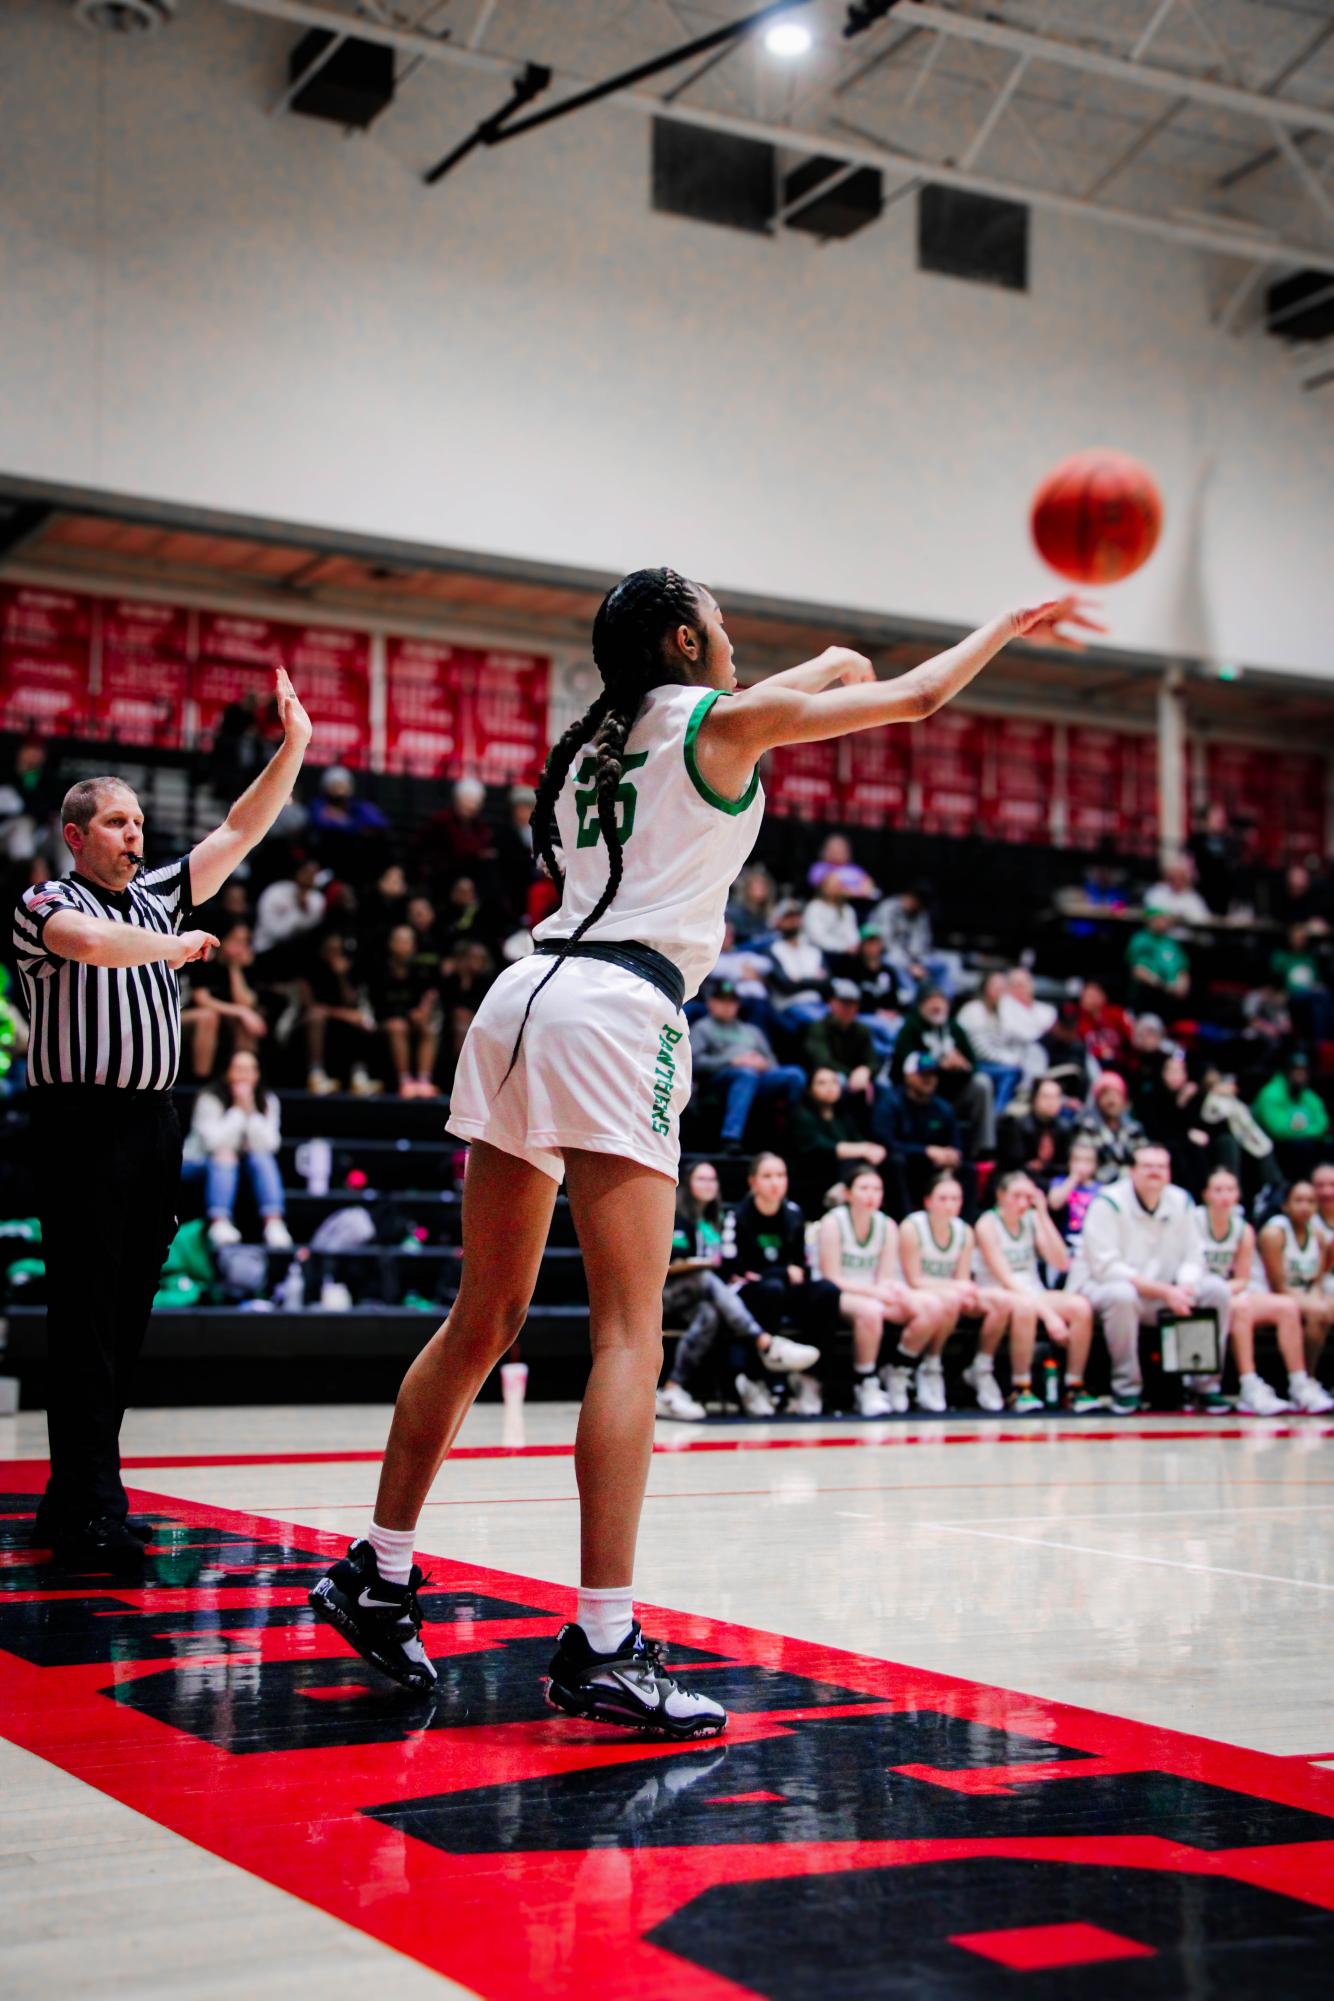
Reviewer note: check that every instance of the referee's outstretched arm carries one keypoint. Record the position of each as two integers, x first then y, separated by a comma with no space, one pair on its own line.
214,858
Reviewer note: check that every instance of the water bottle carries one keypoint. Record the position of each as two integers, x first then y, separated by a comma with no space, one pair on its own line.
292,1291
1051,1381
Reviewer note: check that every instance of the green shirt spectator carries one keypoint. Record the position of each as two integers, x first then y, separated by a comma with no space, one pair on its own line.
1155,959
1288,1109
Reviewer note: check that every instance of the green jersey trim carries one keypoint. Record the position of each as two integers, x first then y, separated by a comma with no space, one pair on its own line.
697,778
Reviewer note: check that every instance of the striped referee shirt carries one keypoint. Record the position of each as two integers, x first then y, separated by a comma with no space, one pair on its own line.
114,1025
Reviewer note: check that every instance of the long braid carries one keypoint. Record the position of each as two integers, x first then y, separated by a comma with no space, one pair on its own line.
632,622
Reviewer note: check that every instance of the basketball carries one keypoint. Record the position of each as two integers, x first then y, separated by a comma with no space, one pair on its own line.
1097,517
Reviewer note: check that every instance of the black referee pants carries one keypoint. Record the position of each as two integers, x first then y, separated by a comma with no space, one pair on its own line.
108,1175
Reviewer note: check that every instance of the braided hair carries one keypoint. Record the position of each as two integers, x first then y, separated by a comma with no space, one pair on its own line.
633,622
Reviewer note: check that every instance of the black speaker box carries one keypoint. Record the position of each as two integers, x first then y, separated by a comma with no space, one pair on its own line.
1301,307
963,235
846,208
713,176
351,88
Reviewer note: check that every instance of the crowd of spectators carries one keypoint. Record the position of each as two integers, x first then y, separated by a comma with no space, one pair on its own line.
848,1033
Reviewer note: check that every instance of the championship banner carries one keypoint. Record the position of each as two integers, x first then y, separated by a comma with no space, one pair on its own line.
145,675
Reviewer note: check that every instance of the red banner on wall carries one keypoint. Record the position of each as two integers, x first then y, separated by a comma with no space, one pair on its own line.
1019,759
876,778
329,665
456,711
801,781
424,731
1281,793
30,615
145,673
45,659
947,756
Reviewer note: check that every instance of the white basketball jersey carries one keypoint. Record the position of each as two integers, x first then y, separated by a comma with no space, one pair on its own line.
1301,1263
1019,1249
935,1262
1220,1253
860,1260
684,844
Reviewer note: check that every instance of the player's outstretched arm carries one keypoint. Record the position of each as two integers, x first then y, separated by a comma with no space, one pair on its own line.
774,712
215,857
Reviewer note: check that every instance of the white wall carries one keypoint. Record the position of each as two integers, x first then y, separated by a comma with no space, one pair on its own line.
206,305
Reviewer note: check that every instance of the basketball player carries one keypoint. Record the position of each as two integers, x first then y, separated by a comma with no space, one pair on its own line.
859,1252
1229,1253
1012,1238
577,1065
1297,1259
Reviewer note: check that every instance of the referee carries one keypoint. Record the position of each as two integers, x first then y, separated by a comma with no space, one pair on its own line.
98,952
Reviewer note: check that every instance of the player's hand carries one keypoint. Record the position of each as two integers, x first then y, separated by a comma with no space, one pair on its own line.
295,721
1041,624
846,666
189,946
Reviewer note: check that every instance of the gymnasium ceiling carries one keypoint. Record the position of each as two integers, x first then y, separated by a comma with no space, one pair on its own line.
1210,121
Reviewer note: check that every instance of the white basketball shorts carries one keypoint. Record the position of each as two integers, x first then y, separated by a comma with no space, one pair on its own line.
604,1066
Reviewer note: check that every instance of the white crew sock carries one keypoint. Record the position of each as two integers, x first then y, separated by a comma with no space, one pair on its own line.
984,1364
1252,1376
606,1616
1296,1378
393,1552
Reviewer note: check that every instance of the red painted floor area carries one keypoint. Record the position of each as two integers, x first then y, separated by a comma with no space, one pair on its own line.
862,1829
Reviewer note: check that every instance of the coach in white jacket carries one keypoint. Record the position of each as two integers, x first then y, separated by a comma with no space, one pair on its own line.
1140,1255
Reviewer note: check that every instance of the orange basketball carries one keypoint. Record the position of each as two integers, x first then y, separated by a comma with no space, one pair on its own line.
1097,517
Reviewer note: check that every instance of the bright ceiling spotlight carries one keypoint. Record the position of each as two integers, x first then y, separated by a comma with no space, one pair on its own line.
788,39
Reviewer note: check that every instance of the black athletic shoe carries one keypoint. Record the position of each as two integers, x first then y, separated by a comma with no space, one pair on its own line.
101,1544
382,1621
630,1688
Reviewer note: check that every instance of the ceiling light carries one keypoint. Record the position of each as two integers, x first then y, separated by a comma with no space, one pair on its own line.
788,38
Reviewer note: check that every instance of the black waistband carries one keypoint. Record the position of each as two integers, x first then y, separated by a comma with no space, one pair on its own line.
649,964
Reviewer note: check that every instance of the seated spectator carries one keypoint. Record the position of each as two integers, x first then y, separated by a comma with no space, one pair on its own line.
1155,961
1071,1194
879,993
1037,1141
385,906
227,1011
1026,1020
348,833
516,865
407,1008
928,1030
918,1131
1298,1257
1268,1020
466,978
1012,1238
750,908
1293,1115
233,1121
1104,1028
1148,1046
1177,895
1141,1255
712,1312
859,1255
799,981
827,1143
1170,1107
830,924
768,1255
836,860
1308,997
841,1042
430,954
287,913
457,839
738,1057
1112,1127
748,968
466,920
936,1253
339,1025
1230,1254
1303,899
998,1053
904,922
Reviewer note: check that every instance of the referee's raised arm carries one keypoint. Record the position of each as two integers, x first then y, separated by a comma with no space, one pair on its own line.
97,954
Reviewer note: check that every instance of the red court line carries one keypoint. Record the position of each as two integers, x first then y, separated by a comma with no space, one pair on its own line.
1203,1428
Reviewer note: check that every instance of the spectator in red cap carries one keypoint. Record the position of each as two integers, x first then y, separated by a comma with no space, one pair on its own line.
1112,1126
